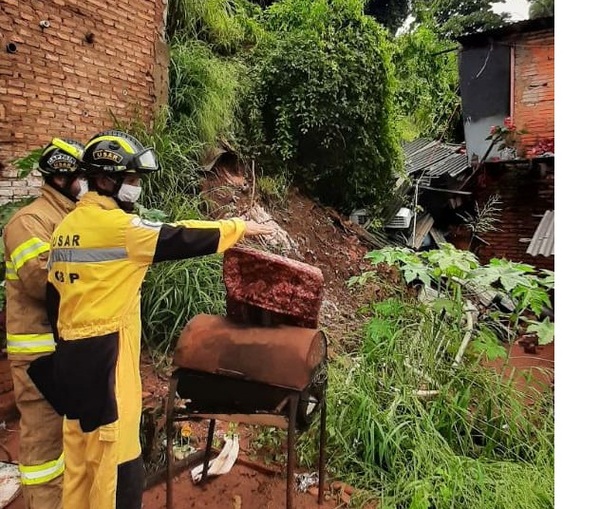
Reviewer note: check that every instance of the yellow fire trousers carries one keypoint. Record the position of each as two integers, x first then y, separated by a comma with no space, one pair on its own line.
40,443
93,477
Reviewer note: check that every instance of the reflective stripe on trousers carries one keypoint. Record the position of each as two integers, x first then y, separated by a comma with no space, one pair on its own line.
40,474
30,343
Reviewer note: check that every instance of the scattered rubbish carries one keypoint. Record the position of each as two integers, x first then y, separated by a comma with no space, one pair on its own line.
223,463
10,483
183,451
237,502
305,481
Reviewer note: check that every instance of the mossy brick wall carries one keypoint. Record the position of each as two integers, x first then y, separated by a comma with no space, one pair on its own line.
96,58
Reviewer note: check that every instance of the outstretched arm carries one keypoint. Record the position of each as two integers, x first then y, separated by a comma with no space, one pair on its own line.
150,242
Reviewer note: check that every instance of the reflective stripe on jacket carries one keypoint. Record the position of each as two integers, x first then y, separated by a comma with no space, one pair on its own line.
26,239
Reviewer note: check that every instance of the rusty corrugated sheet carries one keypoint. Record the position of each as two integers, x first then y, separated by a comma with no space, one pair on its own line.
542,242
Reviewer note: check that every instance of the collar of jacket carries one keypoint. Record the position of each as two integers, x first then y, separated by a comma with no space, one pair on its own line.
93,198
58,200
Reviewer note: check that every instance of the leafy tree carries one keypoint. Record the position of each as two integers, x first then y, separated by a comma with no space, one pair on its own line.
428,81
458,17
390,13
321,105
541,8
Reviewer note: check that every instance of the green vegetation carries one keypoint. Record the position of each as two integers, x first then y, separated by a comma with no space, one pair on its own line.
321,107
475,444
175,292
541,8
427,71
411,426
453,18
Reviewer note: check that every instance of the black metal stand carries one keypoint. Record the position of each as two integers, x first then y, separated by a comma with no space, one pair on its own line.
292,400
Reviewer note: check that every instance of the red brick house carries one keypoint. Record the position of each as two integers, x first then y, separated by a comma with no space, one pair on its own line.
509,73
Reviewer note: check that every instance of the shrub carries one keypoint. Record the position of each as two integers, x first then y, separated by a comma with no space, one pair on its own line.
321,102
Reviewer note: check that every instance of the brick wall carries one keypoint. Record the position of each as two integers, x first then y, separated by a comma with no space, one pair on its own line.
96,57
534,86
526,193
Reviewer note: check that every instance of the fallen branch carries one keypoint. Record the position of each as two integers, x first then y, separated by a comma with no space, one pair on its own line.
467,338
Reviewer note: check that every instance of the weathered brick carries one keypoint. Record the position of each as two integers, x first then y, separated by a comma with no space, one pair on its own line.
291,291
46,84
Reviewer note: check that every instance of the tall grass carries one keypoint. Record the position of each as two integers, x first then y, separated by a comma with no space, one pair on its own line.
203,91
175,292
214,21
479,443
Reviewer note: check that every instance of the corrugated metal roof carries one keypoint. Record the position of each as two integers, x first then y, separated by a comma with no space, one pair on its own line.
434,158
414,146
542,242
520,27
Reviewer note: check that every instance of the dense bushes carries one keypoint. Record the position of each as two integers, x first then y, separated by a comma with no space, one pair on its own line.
427,69
321,104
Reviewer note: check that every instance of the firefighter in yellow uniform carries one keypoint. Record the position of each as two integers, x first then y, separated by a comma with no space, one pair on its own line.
99,256
29,335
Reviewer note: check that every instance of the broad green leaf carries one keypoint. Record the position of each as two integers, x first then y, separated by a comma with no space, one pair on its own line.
27,164
544,331
508,274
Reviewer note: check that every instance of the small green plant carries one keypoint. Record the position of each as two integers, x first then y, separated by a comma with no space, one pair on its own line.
544,330
274,189
484,219
27,164
267,444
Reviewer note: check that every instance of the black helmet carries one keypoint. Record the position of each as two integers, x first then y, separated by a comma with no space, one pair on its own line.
117,152
61,157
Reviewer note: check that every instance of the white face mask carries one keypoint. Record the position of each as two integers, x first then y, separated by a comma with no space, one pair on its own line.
83,188
128,193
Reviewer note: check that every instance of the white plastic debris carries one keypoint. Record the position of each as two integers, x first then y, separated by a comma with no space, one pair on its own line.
305,481
223,463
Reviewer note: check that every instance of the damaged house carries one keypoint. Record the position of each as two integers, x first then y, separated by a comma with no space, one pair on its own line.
505,168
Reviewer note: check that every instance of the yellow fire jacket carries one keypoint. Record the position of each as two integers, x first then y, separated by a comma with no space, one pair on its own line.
26,245
98,259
